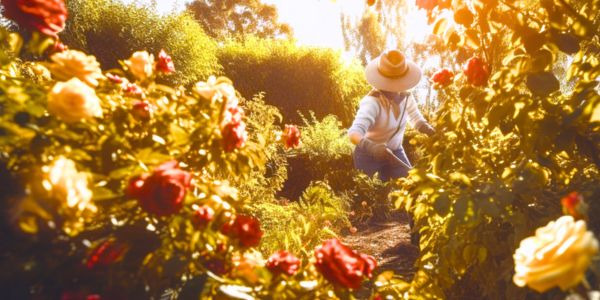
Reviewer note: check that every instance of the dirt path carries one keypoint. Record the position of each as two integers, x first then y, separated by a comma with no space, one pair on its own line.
389,242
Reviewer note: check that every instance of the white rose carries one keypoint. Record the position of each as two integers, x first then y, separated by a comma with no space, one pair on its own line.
558,255
69,185
73,101
141,64
72,63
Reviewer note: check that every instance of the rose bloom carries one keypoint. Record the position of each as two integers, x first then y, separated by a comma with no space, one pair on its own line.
215,88
46,16
244,228
69,185
161,193
141,110
283,262
141,64
477,71
73,101
107,253
291,136
232,115
234,136
72,63
165,63
341,265
558,255
443,77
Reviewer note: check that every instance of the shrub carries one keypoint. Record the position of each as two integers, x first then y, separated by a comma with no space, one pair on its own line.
295,78
112,30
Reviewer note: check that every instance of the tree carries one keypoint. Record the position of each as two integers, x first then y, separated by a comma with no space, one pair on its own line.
229,18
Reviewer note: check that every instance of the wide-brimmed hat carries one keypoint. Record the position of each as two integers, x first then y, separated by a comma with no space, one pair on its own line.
392,72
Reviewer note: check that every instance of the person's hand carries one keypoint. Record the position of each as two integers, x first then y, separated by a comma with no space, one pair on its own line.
424,127
379,151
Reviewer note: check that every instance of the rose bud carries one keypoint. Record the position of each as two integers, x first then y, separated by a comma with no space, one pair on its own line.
283,262
443,77
165,63
477,71
161,193
107,253
244,228
203,215
141,110
342,266
291,136
574,205
46,16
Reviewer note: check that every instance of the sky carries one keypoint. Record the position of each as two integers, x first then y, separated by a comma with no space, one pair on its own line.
315,22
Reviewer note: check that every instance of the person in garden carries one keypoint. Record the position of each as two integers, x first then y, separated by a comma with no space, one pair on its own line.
379,124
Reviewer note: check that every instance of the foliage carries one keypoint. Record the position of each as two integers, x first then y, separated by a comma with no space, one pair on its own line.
325,139
295,78
131,28
505,153
225,18
301,225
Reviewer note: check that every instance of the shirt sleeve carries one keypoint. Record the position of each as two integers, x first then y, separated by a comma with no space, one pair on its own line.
414,114
365,117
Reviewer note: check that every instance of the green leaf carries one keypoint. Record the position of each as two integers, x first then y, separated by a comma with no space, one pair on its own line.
442,204
542,83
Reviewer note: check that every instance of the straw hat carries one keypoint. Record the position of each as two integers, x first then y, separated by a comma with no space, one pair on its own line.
392,72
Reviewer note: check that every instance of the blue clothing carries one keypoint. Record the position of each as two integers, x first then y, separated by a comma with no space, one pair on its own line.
370,165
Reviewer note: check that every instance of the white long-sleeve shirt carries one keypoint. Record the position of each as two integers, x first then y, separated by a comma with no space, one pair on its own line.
378,124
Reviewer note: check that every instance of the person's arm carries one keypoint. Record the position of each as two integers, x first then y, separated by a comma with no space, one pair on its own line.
416,118
364,119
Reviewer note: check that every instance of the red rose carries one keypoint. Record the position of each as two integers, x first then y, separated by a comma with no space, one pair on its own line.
203,216
574,205
234,136
107,253
443,77
45,16
162,193
477,71
165,63
141,110
244,228
291,136
342,266
426,4
283,262
79,296
216,266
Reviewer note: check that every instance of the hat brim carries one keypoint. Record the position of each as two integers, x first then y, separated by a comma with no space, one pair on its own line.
380,82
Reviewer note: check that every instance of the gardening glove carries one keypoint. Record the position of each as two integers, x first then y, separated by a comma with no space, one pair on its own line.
424,127
379,151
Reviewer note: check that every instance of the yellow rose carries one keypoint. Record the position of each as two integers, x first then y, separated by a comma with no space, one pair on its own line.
72,63
215,88
558,255
69,185
73,101
141,64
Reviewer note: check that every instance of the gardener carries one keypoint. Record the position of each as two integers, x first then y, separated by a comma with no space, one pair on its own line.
378,128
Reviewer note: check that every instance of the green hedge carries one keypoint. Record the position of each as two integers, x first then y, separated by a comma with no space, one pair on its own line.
112,30
295,78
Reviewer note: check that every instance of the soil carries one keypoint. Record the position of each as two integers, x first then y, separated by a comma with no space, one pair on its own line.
389,241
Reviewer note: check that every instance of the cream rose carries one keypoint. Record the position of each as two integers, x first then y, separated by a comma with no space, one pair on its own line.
215,88
69,185
558,255
73,101
72,63
141,64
